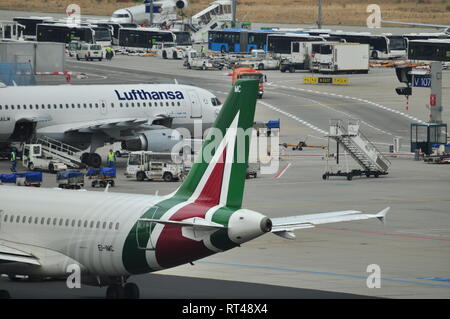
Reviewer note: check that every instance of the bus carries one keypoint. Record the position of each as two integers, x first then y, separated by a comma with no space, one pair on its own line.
429,50
103,35
30,24
238,40
146,38
383,46
280,44
64,33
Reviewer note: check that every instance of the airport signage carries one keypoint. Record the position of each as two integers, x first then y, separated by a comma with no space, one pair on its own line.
324,80
422,80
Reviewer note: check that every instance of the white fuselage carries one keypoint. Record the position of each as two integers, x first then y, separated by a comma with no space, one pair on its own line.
91,230
59,109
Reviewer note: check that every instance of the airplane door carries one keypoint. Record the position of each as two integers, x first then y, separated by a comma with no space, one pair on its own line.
196,106
103,107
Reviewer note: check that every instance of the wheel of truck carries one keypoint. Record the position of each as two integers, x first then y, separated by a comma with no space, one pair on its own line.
31,166
100,59
140,176
78,57
102,184
283,69
175,56
291,69
94,184
367,175
324,176
376,174
349,177
164,55
51,168
260,66
112,183
168,177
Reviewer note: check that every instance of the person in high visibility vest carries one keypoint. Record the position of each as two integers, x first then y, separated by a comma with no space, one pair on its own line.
111,159
13,160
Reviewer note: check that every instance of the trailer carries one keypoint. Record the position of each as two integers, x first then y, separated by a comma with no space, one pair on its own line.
29,179
102,176
300,56
336,57
70,179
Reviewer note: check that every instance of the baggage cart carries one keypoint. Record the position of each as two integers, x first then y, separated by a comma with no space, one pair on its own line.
102,176
70,179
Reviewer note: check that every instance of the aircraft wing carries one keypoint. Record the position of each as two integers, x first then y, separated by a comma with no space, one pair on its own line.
8,255
109,125
284,226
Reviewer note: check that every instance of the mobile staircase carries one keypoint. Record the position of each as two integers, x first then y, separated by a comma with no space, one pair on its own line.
65,153
359,147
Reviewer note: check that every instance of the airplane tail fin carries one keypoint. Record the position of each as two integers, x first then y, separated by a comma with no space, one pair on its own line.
218,174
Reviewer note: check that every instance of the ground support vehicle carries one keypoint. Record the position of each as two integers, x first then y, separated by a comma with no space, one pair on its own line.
155,166
355,172
194,61
70,179
249,73
252,170
339,58
102,176
34,158
89,52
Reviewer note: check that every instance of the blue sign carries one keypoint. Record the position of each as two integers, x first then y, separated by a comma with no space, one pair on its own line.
422,80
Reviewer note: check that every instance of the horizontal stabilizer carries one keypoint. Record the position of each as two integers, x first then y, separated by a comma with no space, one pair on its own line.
284,226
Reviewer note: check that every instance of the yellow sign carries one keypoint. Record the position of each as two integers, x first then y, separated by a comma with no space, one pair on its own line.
324,80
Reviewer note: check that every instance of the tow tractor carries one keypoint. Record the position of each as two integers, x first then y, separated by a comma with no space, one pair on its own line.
249,73
154,166
300,145
33,158
194,61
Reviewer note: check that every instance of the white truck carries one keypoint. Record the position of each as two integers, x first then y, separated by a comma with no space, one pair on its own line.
34,158
300,56
154,166
259,60
170,50
329,57
194,61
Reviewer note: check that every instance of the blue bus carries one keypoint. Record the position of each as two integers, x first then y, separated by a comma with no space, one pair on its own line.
238,40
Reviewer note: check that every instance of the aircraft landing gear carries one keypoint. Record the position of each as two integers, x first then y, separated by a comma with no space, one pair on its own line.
128,291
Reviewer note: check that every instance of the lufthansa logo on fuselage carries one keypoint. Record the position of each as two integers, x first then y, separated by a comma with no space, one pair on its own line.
149,95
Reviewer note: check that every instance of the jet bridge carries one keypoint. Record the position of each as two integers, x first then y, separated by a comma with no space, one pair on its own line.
359,147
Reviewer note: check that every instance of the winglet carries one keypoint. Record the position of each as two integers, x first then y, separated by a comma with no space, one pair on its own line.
382,215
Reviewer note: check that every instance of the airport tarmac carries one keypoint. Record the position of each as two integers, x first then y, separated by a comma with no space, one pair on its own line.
412,249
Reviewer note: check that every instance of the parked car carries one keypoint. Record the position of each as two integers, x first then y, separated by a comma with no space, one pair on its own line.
90,52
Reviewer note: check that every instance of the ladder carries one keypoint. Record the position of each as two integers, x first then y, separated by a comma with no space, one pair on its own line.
359,147
67,154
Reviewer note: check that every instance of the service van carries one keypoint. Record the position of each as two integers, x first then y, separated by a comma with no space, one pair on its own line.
90,52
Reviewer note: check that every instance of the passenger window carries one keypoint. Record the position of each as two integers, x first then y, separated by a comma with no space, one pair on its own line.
90,105
98,225
60,106
73,222
24,219
18,219
6,107
117,226
92,224
132,104
104,225
11,219
42,220
67,222
49,220
18,107
110,225
79,223
85,223
55,106
84,105
55,220
30,220
6,218
138,104
36,220
60,222
12,107
96,105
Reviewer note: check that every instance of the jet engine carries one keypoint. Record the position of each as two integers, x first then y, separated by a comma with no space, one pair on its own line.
181,4
160,140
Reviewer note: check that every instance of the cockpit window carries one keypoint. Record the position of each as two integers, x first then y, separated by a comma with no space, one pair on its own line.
215,101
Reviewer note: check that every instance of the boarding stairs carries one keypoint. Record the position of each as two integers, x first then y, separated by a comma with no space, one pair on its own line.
215,17
359,147
65,153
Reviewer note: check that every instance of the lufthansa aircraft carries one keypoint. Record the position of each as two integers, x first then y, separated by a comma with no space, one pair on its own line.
140,115
112,236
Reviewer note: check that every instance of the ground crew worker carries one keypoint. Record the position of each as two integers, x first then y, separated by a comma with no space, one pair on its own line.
202,51
13,160
111,159
109,54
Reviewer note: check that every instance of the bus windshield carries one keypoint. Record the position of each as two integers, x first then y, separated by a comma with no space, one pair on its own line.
183,38
102,34
397,43
256,76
